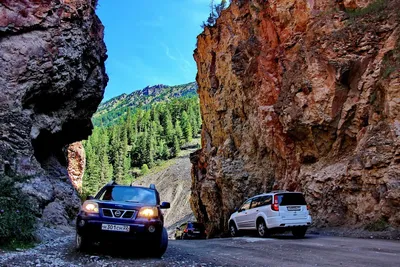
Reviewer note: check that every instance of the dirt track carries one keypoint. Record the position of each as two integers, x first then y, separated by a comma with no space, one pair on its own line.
314,250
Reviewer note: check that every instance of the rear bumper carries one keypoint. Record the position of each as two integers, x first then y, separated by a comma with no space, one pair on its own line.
195,236
286,223
138,230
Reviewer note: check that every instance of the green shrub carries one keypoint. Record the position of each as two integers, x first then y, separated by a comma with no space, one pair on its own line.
374,7
16,218
144,170
378,225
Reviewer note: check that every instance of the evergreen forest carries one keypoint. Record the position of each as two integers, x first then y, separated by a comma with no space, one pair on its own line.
139,139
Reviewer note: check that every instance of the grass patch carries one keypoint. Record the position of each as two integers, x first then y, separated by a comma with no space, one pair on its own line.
16,217
15,244
391,61
377,226
374,7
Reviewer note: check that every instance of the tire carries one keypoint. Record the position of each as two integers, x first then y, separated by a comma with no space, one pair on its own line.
233,231
184,236
82,243
299,232
161,245
262,229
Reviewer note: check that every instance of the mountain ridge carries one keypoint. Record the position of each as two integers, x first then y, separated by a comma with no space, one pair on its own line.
118,105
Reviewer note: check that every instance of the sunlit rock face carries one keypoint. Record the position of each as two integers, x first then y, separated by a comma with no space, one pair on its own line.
52,79
76,164
301,95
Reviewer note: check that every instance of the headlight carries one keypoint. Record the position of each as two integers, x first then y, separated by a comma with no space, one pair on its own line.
148,213
90,207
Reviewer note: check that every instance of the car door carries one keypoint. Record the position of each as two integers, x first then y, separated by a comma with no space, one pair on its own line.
251,216
241,217
264,206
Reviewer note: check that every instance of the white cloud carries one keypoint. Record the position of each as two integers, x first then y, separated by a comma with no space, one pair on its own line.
167,52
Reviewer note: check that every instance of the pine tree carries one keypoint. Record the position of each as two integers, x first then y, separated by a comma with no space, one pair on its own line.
102,153
90,181
168,128
127,174
176,148
186,127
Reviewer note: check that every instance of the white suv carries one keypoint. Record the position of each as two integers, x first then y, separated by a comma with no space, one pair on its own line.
277,211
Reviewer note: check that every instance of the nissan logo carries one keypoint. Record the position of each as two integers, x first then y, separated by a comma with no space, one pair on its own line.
117,213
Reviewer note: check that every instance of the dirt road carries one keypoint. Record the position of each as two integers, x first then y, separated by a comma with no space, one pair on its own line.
314,250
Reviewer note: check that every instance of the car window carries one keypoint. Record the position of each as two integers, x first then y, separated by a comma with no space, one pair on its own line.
129,194
287,199
254,203
246,205
261,201
265,200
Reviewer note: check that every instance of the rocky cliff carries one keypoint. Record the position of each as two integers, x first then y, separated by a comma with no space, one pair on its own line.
52,79
301,95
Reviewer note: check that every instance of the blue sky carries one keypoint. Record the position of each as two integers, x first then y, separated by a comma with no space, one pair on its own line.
150,42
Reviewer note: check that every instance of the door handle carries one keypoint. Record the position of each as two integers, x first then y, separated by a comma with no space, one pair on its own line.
256,210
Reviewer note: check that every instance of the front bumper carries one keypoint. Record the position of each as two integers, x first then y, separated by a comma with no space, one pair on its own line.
91,227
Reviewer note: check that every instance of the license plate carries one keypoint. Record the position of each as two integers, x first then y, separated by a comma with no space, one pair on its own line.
114,227
293,208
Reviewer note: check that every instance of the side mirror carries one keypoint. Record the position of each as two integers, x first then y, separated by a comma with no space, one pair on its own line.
165,205
89,197
236,209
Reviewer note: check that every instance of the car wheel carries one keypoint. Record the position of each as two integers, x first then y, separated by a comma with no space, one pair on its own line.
299,232
82,243
262,229
161,245
184,236
233,231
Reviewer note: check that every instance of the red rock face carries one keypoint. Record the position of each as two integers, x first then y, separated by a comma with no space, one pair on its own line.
76,164
52,79
299,95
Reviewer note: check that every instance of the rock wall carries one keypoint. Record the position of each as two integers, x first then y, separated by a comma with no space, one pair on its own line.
76,164
52,79
301,95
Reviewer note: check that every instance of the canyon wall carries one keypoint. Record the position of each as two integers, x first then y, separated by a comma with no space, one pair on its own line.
301,95
52,79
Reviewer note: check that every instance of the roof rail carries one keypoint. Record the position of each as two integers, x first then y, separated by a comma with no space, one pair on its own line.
152,186
112,182
278,191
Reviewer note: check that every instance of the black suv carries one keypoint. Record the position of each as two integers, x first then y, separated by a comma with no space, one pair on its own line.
123,213
191,230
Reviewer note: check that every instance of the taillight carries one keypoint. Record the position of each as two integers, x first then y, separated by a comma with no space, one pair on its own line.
275,205
186,230
308,207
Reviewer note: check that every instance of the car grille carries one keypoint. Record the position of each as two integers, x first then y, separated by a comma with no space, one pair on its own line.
118,213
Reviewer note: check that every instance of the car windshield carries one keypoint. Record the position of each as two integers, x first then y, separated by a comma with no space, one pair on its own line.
287,199
129,194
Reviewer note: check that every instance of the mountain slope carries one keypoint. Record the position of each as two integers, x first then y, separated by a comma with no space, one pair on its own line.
117,106
173,184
